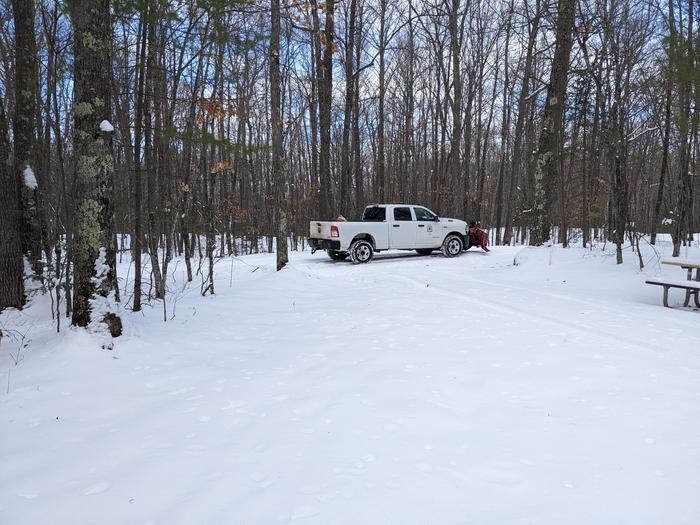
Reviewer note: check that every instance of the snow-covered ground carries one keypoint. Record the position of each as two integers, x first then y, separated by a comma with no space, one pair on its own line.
412,390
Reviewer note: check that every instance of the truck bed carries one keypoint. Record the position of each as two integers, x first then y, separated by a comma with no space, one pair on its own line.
322,231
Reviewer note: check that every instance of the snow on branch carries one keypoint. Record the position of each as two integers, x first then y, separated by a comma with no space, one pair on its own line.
638,133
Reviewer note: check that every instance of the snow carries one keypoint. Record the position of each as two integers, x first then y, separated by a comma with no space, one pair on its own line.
106,126
411,390
29,178
99,305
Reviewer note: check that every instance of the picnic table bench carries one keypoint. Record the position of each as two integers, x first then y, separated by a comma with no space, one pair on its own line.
690,285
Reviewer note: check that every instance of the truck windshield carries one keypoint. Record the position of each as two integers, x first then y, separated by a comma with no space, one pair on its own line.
374,213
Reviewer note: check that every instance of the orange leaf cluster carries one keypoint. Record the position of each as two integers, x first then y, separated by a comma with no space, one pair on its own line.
221,166
213,108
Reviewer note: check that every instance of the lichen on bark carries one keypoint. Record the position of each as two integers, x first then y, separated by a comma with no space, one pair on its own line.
89,224
83,109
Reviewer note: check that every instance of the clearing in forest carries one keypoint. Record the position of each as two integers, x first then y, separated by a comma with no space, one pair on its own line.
411,390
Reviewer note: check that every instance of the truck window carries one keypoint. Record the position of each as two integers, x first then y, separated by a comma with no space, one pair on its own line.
402,214
374,213
423,215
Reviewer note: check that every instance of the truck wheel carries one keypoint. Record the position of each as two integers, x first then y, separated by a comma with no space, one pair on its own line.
452,246
424,251
361,252
335,255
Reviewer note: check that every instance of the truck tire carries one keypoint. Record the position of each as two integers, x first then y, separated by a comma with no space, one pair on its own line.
361,252
335,255
452,245
424,251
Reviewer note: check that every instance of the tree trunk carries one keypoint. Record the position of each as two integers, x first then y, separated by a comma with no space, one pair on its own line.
381,171
137,184
456,49
664,165
505,126
356,142
515,166
683,55
95,280
150,155
325,100
345,181
275,112
550,147
11,264
24,128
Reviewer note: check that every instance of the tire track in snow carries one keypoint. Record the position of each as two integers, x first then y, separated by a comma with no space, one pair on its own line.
504,308
592,304
587,329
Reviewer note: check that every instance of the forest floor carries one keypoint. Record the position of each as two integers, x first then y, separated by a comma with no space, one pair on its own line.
411,390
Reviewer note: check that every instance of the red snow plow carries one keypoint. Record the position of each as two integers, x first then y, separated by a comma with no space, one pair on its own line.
477,237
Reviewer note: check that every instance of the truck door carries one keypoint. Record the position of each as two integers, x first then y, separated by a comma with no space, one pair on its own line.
427,233
403,229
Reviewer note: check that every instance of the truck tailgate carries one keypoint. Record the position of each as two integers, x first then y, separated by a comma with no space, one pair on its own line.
320,229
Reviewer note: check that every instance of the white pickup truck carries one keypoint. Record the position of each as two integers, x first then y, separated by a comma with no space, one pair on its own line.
388,227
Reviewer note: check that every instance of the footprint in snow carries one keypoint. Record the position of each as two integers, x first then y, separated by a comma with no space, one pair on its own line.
305,511
196,450
313,489
234,404
97,488
260,479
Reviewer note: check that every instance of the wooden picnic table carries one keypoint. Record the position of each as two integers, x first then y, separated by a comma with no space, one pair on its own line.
690,285
686,264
